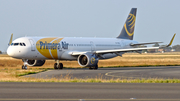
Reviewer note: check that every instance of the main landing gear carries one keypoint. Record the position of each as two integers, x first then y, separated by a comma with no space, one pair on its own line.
58,65
24,66
95,67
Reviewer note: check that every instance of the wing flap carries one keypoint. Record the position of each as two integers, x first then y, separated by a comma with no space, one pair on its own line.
113,50
124,50
144,43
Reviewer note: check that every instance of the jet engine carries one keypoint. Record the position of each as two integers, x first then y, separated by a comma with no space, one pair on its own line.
35,62
87,60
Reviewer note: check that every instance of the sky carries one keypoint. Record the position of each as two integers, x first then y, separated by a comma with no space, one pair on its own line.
156,20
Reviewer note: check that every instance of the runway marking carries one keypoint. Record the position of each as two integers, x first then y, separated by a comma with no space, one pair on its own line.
96,99
108,73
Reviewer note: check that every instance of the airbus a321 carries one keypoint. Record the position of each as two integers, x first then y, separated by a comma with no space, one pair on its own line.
87,51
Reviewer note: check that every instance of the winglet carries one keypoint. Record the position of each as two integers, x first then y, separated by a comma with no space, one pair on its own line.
171,40
10,41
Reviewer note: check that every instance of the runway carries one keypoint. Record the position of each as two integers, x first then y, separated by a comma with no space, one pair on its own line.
163,72
12,91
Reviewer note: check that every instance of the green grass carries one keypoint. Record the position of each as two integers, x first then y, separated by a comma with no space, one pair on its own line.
30,72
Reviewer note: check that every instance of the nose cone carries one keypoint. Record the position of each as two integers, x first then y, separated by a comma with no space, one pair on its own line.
10,52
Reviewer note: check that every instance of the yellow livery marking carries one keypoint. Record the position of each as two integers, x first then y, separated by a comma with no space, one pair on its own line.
130,34
172,40
131,18
92,60
42,47
48,47
130,24
54,51
10,41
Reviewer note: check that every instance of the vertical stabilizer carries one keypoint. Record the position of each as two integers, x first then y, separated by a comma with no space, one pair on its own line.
128,29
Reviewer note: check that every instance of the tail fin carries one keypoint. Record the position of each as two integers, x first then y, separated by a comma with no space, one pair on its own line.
128,30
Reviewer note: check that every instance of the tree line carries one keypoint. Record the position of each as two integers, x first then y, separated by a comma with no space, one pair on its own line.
176,47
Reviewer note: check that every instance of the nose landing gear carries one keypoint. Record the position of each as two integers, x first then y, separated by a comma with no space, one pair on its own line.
24,66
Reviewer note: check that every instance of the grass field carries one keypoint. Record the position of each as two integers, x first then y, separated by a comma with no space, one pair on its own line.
10,69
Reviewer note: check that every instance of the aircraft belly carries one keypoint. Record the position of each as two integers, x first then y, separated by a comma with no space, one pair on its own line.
108,56
66,56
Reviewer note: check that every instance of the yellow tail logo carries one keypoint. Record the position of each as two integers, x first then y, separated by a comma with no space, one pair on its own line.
129,25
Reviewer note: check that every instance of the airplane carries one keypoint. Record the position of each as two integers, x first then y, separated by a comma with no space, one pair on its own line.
34,51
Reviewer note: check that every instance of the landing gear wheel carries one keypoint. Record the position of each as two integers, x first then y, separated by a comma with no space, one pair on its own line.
55,66
60,66
24,67
96,67
25,64
90,68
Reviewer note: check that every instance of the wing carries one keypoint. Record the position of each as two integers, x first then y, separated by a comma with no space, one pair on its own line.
113,50
144,43
121,50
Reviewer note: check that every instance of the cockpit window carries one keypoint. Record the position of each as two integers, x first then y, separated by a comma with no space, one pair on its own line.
21,44
18,44
24,44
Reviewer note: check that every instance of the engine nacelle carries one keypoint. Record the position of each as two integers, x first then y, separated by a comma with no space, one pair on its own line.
35,62
87,60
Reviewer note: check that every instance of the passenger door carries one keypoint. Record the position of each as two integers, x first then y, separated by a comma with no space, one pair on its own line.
32,44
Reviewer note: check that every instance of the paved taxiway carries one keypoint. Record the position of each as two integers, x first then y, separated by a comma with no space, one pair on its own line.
165,72
89,91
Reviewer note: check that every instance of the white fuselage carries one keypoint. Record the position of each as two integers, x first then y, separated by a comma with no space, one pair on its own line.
58,48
